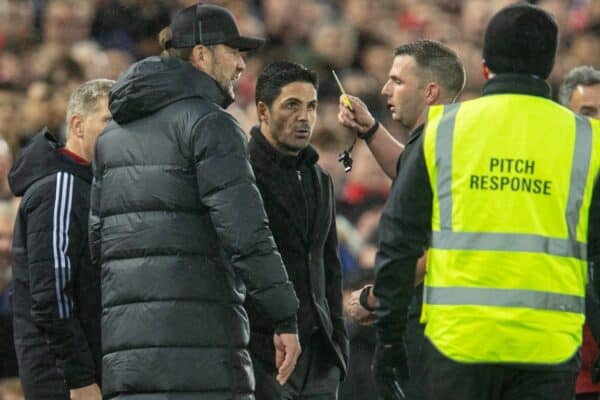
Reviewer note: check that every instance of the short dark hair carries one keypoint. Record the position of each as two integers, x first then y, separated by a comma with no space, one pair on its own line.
521,39
583,75
278,74
436,62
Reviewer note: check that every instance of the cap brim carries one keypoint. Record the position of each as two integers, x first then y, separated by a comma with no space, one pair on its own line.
246,43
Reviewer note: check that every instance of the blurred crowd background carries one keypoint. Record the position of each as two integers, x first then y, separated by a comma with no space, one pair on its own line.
48,47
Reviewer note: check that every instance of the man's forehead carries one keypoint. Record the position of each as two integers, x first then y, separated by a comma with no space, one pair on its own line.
402,62
589,91
298,90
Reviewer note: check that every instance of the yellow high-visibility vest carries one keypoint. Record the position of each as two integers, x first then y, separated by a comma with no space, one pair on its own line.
512,179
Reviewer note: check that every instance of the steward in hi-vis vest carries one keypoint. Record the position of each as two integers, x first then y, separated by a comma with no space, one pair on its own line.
505,196
507,266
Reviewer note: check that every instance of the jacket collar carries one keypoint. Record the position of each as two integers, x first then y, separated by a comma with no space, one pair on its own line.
414,135
518,84
307,156
155,82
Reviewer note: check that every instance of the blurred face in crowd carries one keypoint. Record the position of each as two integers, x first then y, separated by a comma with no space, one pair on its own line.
8,106
336,43
85,129
7,222
16,20
35,108
585,100
289,122
66,22
6,161
225,64
404,91
474,18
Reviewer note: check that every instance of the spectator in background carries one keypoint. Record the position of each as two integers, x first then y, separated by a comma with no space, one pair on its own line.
335,43
299,201
10,101
56,292
65,22
35,111
130,25
190,226
16,22
580,92
8,358
6,160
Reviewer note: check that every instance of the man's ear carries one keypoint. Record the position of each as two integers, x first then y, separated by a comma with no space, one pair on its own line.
485,71
201,58
263,112
433,93
76,126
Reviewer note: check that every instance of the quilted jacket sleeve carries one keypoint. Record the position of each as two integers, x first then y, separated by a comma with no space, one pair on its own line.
227,187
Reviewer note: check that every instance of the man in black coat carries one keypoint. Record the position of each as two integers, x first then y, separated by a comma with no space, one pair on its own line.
179,226
423,73
298,197
56,288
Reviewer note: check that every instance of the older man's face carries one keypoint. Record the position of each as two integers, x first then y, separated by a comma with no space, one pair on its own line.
585,100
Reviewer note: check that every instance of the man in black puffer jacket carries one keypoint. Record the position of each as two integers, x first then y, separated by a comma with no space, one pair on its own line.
180,228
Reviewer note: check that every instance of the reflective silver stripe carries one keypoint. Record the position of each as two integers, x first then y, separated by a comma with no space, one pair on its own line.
509,242
443,157
570,247
581,164
452,296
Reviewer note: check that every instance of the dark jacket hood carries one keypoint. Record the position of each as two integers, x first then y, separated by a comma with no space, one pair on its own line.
155,82
41,158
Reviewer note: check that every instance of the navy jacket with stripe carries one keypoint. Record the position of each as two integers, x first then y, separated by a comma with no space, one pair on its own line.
56,291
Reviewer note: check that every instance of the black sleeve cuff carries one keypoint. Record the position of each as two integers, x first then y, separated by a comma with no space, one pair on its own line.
287,326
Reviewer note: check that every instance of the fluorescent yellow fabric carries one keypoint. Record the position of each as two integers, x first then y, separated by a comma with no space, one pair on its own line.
512,178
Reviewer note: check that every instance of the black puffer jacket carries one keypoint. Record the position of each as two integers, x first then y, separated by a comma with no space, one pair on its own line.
182,235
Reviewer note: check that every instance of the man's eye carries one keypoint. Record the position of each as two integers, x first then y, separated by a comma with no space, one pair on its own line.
588,112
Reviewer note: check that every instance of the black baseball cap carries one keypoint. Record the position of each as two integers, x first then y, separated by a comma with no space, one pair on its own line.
521,39
208,24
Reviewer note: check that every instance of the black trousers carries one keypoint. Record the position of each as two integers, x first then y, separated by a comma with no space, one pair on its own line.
447,379
414,339
315,377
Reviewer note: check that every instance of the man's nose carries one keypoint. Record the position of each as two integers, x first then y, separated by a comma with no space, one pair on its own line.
303,114
241,65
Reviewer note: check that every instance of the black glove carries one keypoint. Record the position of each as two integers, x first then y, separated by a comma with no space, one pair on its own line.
389,369
596,370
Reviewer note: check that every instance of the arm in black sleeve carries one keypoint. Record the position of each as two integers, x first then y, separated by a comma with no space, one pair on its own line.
334,292
592,311
593,247
227,187
404,231
55,230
